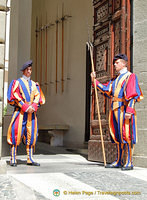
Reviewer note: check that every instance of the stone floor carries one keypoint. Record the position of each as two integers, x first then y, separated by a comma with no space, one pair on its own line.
71,175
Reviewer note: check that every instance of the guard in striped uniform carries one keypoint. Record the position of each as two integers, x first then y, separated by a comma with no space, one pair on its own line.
125,92
26,96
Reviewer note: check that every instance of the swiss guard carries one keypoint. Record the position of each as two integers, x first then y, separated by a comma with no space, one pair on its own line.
26,96
125,92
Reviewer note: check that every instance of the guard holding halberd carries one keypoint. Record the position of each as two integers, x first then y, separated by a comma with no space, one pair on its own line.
125,92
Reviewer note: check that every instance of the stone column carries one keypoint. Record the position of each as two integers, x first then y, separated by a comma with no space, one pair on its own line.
2,61
19,51
140,69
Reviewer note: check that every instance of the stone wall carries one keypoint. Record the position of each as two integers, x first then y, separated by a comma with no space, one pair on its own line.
140,68
67,108
2,50
19,51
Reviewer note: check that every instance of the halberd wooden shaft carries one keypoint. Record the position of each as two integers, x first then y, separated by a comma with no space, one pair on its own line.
36,48
97,105
62,79
56,54
46,56
41,53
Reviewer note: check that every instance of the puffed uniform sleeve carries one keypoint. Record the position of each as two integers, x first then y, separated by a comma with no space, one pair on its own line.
14,96
39,97
133,93
105,88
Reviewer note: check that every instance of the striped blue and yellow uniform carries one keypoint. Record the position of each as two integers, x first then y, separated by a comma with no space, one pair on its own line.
125,92
21,94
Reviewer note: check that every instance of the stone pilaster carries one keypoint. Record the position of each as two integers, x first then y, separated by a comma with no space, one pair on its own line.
140,68
2,55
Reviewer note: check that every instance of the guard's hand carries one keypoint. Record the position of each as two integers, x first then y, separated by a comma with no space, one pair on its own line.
30,110
93,76
128,115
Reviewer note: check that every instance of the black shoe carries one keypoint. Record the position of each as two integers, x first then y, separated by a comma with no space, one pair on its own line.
33,164
112,166
13,164
127,168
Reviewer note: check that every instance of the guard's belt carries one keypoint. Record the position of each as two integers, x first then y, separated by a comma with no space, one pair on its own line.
118,99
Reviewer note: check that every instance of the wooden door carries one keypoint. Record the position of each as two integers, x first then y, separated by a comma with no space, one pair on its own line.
111,36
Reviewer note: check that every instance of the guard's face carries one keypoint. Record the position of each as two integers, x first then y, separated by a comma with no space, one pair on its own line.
27,72
119,65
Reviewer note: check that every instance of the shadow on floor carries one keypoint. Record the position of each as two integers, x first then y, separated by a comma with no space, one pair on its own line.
45,149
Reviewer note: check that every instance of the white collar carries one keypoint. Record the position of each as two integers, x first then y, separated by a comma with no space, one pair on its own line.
124,70
26,78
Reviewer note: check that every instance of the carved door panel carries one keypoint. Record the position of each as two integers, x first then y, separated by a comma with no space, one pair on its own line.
111,36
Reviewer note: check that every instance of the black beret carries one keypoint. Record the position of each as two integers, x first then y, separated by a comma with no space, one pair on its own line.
27,64
120,56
